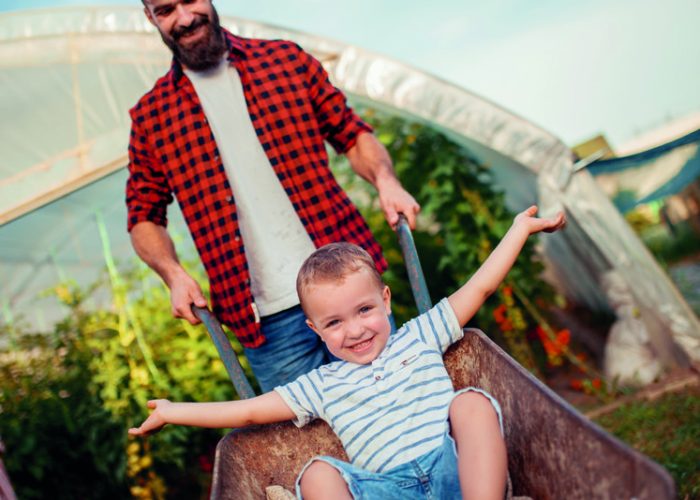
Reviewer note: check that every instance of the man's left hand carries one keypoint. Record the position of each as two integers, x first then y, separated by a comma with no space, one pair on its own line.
394,199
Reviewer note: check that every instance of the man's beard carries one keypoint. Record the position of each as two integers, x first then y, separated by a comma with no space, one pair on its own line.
203,54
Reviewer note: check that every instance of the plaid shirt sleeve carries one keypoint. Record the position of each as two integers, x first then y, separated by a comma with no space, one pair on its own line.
339,124
147,191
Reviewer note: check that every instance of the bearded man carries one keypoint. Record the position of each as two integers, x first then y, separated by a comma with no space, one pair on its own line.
235,132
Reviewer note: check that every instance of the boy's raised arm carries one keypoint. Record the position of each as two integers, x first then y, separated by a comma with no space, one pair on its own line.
470,297
265,409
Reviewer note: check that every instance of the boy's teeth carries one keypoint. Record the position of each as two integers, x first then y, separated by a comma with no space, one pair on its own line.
361,344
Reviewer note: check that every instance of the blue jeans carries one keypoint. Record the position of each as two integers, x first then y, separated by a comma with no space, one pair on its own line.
433,475
290,350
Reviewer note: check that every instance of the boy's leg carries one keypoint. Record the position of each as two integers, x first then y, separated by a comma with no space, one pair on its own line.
481,449
321,480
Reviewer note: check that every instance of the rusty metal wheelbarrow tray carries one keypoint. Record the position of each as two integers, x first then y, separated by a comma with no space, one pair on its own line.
554,452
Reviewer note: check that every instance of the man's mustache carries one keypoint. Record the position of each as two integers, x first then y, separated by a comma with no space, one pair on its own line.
199,20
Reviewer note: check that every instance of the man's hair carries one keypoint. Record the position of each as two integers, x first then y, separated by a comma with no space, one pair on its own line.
333,262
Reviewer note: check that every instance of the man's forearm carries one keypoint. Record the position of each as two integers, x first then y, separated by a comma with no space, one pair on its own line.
371,161
155,247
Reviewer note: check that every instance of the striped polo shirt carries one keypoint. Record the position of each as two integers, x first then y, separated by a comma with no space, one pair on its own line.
392,410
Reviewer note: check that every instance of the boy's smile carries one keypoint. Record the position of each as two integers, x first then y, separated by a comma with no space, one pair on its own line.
351,316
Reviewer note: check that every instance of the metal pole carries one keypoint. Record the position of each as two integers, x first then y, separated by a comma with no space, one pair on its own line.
415,272
226,352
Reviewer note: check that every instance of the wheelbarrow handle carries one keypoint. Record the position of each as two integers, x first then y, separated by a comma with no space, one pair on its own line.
226,352
415,271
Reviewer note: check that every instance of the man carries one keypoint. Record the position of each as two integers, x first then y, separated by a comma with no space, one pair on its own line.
235,132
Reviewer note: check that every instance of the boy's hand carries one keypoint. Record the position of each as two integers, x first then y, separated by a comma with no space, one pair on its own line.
534,224
155,420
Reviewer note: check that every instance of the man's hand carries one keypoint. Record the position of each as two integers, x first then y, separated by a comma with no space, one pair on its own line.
534,224
155,420
184,291
394,199
153,244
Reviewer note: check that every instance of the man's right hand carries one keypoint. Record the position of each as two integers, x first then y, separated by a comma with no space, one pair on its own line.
153,244
184,291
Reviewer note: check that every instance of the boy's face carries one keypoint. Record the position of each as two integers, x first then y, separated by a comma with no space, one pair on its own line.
351,316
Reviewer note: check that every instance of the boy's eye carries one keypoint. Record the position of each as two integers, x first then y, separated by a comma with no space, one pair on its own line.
332,323
365,309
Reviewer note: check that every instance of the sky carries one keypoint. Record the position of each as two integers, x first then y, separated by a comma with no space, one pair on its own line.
575,67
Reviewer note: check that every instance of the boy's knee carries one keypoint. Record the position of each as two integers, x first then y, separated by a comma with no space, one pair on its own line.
316,474
471,404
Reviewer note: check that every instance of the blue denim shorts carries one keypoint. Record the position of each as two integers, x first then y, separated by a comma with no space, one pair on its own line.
433,475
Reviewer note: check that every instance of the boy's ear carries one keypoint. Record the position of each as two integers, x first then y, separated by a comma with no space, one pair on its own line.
386,297
311,325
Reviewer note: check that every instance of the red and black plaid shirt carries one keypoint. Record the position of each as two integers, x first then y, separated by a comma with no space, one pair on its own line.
172,151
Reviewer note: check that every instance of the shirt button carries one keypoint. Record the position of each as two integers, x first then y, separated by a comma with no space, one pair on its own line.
237,239
229,199
378,377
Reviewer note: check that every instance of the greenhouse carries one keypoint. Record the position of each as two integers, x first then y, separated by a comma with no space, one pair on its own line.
69,77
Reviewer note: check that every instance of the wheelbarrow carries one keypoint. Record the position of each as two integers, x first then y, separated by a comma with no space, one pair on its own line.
554,452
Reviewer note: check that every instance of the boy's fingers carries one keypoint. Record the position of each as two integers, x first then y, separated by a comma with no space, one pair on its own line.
561,220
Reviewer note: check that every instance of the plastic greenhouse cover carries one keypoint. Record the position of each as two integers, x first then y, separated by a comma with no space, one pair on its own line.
70,75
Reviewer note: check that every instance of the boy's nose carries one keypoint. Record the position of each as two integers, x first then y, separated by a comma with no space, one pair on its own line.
355,329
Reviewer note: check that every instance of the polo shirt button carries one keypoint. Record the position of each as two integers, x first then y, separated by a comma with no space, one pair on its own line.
229,199
378,377
237,239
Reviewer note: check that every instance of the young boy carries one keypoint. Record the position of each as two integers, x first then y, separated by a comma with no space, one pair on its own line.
389,398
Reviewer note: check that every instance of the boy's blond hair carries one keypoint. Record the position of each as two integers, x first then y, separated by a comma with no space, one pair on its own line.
333,262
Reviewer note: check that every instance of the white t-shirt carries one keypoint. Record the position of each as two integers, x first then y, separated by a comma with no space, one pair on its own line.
275,241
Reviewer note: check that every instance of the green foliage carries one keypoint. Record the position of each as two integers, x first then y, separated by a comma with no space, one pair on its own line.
667,430
670,247
61,442
68,398
641,218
